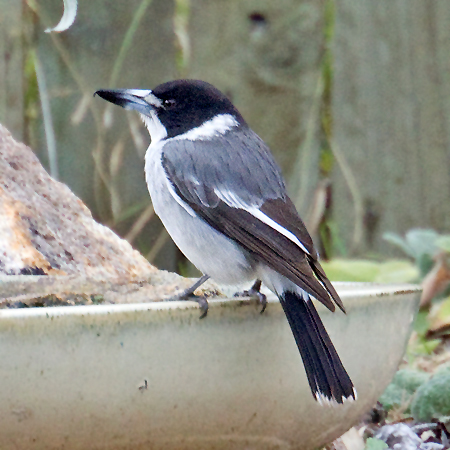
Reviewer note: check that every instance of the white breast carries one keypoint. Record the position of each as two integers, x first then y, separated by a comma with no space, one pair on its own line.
210,251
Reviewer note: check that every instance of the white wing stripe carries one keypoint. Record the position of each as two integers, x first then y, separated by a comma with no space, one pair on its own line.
231,199
235,202
255,212
184,205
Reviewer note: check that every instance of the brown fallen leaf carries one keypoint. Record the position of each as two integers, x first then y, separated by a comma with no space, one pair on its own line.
436,280
351,440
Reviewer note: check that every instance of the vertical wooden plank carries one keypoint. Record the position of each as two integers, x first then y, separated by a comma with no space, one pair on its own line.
11,67
391,118
267,56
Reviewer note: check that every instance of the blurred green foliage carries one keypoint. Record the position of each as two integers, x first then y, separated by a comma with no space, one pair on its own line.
432,398
421,245
424,396
393,271
375,444
402,388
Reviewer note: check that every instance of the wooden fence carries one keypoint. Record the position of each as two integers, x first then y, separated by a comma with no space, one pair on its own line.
363,84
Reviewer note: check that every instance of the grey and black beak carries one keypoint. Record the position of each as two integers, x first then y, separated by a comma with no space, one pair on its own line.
141,100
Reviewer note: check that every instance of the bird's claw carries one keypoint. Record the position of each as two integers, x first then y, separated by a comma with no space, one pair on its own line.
188,294
203,304
200,299
254,292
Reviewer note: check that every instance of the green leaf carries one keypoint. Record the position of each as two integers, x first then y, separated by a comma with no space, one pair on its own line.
421,345
439,316
425,263
402,388
398,241
432,399
417,242
422,323
443,242
375,444
397,271
422,241
351,270
425,346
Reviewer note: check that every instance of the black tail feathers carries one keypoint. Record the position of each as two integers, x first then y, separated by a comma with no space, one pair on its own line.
327,377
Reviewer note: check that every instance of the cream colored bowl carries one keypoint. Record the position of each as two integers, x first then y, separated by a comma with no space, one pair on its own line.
75,377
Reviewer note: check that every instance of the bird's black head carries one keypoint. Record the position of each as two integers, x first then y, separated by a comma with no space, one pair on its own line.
177,107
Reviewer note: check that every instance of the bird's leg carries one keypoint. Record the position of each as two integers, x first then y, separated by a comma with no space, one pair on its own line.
188,294
255,292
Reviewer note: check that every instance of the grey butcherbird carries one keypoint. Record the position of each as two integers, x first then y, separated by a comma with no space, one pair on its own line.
222,198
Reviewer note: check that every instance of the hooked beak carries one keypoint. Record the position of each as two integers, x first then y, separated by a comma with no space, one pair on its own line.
141,100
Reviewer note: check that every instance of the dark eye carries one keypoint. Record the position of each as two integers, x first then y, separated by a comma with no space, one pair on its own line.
169,103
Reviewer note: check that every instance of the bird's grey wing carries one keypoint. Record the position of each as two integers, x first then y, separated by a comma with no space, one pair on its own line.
240,192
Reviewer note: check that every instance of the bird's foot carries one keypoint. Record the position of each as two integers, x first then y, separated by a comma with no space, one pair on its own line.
202,303
188,295
255,292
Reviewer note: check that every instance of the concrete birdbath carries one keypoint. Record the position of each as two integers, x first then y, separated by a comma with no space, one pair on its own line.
154,376
132,375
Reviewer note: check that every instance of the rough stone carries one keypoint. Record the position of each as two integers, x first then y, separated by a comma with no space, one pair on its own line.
46,230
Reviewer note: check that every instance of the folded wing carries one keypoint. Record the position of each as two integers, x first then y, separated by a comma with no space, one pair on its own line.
244,197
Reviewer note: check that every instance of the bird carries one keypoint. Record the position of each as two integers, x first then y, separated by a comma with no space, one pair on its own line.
221,196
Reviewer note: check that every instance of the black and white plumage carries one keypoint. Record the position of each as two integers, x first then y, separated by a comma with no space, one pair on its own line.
222,198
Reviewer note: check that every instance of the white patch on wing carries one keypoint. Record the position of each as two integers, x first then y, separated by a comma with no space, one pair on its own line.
256,212
231,199
194,180
218,125
184,205
154,126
